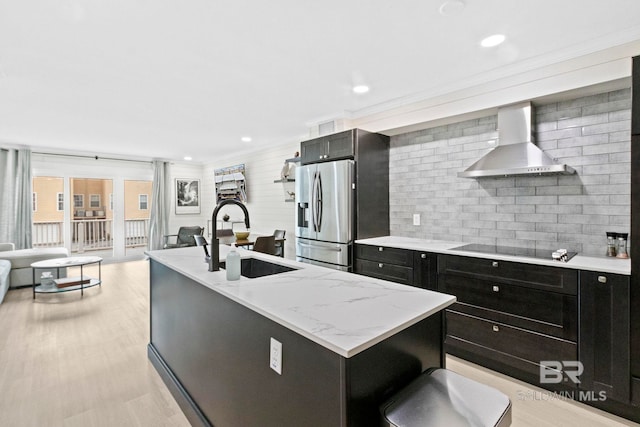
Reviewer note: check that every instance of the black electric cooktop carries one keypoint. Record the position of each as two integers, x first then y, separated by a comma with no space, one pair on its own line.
510,250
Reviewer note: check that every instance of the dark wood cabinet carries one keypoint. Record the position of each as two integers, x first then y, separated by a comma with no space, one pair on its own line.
425,270
393,264
409,267
328,148
510,316
604,334
635,97
635,231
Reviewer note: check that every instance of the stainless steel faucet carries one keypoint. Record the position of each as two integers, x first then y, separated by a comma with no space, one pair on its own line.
214,262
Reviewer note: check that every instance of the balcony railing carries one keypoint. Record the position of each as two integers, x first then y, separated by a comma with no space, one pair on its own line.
89,235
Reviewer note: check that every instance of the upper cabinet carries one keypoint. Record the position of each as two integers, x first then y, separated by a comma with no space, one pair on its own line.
328,148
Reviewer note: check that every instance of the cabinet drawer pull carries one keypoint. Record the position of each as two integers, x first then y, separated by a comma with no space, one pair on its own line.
494,264
423,256
496,328
496,288
602,279
381,265
380,249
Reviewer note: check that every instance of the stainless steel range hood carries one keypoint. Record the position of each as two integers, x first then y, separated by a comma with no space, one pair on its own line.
516,154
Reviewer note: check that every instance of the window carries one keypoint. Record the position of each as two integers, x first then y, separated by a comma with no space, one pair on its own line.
94,201
78,200
60,198
143,204
34,201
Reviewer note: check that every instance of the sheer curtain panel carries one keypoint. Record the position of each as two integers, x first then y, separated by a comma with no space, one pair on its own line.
158,220
16,211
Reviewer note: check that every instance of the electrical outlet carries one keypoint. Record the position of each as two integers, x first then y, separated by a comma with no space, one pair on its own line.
275,356
416,219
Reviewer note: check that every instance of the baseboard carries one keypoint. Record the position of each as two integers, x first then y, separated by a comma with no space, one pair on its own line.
186,403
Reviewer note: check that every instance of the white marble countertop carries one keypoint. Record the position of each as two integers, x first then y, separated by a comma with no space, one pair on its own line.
579,262
344,312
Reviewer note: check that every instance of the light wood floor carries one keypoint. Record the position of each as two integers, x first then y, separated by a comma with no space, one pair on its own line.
73,361
68,361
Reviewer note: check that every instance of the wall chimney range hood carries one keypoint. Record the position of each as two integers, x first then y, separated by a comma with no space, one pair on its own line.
516,154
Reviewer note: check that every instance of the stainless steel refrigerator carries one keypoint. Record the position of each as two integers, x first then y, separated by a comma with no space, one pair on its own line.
324,213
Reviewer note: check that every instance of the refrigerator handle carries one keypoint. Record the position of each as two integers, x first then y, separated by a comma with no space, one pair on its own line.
313,201
305,245
316,202
319,195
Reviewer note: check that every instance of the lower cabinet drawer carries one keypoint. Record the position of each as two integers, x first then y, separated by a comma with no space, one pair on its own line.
518,347
381,270
549,313
396,256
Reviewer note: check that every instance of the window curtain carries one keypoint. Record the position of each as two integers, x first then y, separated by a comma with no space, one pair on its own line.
158,220
16,211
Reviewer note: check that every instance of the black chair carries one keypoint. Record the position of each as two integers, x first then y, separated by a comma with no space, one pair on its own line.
265,244
279,234
184,238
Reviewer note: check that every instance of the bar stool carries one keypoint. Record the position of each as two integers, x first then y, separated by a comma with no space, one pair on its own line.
440,397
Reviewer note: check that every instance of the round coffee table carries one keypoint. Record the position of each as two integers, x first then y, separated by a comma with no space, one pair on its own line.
67,284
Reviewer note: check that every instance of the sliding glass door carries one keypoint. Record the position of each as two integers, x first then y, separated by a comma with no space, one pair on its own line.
48,211
137,208
91,216
87,216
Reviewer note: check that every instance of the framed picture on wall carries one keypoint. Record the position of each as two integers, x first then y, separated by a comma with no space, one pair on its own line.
187,196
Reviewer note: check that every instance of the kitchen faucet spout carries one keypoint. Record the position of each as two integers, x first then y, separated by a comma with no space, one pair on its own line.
214,262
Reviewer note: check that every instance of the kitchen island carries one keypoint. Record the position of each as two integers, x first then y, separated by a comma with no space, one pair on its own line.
311,346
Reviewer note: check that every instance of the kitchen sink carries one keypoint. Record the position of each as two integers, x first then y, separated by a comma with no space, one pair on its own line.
253,267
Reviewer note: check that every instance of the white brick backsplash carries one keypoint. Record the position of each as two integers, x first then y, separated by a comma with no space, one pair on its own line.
591,134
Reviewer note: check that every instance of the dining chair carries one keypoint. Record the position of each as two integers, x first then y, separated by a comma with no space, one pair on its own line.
183,239
265,244
279,234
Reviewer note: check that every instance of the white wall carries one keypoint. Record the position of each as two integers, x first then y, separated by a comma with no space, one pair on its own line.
266,200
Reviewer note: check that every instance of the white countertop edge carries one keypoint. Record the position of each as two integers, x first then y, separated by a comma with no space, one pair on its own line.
579,262
355,350
218,285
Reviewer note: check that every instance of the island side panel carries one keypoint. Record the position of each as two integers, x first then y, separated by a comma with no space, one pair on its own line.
377,373
218,350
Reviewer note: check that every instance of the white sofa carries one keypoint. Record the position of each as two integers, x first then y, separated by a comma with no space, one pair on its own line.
21,273
5,269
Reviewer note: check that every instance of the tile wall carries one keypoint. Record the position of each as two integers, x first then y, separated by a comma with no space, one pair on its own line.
591,134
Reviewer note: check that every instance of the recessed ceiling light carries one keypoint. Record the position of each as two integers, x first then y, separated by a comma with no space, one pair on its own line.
451,7
360,89
187,158
246,139
493,40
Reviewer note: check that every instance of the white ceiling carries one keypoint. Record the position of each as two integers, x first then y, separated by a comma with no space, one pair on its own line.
165,79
